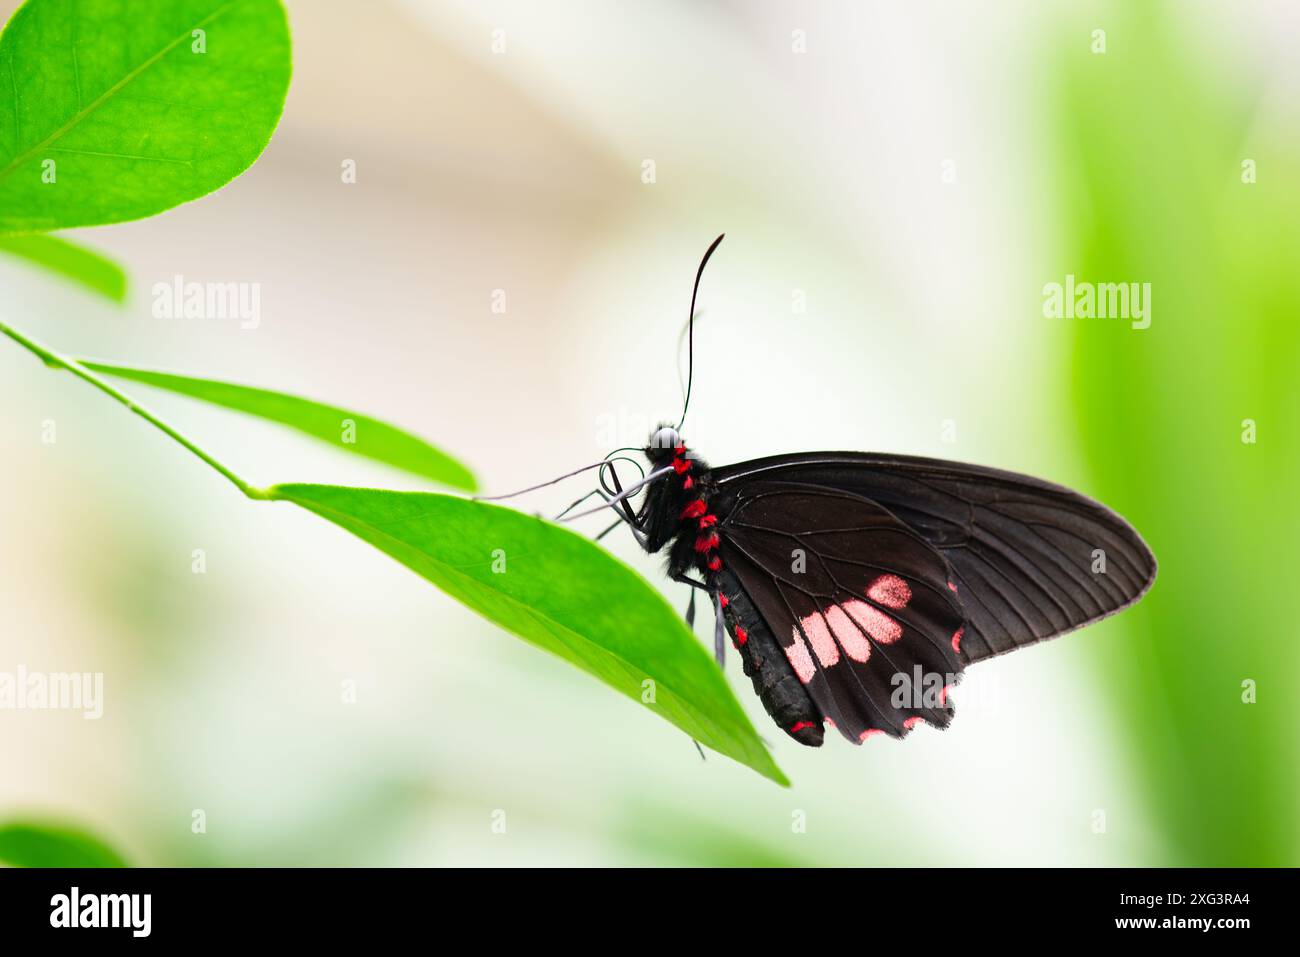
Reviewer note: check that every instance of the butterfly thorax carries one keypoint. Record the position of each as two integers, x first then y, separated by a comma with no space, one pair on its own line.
682,509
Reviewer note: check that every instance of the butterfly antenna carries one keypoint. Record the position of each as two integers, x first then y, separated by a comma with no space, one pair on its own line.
681,341
690,333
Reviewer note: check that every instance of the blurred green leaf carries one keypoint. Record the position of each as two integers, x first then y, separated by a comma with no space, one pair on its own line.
30,844
665,835
114,111
556,590
345,430
70,260
1154,192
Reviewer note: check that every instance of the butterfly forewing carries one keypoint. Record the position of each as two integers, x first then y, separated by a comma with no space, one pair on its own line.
1029,560
861,604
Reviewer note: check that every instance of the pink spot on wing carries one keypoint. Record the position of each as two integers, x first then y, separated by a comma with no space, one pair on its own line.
879,625
800,658
890,591
840,626
868,733
953,587
848,634
911,723
956,639
823,645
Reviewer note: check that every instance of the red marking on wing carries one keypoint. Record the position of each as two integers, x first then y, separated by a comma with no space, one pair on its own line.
911,722
879,625
715,563
868,733
722,600
956,639
850,636
890,591
953,587
823,645
840,626
800,725
742,635
801,659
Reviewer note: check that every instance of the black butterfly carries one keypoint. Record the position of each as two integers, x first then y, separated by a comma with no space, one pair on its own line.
857,586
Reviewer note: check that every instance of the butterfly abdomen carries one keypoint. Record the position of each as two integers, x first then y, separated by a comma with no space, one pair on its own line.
684,512
775,683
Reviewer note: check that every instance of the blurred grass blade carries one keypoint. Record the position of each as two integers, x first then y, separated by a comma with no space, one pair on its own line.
90,269
1155,192
558,591
30,844
345,430
114,111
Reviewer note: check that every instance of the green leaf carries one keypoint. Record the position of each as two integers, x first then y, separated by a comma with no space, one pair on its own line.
97,273
29,844
556,590
112,110
345,430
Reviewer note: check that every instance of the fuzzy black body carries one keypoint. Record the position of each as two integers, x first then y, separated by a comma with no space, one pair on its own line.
857,587
763,661
666,519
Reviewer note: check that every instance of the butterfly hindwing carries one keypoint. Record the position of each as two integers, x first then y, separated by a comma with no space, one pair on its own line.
860,603
1030,560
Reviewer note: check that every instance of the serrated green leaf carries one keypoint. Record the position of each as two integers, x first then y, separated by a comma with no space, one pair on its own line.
347,431
33,844
555,590
112,110
70,260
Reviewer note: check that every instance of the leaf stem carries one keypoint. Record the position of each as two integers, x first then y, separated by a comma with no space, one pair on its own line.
56,360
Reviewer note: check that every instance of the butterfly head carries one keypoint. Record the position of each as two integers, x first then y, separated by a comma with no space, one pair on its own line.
676,507
664,445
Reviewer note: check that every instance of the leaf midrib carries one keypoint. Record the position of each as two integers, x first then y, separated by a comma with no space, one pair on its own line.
99,101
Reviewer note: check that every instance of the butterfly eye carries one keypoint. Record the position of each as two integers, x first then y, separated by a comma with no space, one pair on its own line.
665,438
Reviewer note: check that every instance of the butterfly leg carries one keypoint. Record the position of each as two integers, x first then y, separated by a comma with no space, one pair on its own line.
578,501
623,504
636,529
719,632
